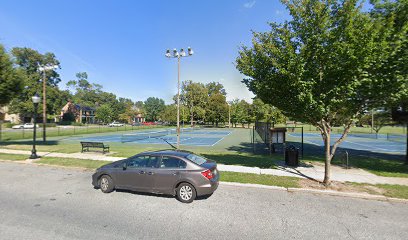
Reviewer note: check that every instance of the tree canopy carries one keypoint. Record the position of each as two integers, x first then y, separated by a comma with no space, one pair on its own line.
328,63
11,80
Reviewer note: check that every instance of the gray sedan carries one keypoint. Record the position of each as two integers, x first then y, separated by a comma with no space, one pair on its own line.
180,173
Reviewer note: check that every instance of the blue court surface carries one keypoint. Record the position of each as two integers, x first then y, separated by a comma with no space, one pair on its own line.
160,136
355,142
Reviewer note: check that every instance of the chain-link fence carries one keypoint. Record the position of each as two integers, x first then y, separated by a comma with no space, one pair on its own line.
9,134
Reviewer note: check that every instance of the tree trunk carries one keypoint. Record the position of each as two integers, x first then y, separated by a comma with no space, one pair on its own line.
327,172
192,118
325,130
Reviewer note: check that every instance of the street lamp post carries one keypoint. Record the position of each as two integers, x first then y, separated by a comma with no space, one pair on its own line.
36,99
178,55
43,69
229,115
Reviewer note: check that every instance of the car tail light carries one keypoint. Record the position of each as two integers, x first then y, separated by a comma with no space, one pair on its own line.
207,174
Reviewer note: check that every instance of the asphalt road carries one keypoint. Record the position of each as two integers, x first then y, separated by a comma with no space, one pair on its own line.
41,202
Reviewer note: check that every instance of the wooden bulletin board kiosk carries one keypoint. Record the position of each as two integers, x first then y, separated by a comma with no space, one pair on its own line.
277,138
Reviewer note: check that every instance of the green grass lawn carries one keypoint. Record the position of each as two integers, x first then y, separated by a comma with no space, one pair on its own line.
270,180
380,167
13,157
388,190
71,162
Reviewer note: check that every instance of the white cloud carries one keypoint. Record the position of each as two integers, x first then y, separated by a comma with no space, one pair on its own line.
249,4
236,89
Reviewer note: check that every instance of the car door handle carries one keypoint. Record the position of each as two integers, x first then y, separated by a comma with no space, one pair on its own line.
142,172
150,173
176,173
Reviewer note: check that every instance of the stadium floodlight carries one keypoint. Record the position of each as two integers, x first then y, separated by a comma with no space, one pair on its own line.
178,55
168,54
47,68
182,53
44,69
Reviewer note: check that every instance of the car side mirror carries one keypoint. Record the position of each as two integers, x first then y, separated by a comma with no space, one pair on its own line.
124,166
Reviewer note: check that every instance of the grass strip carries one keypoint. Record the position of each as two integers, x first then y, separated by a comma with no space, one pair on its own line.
270,180
72,162
395,191
377,166
388,190
13,157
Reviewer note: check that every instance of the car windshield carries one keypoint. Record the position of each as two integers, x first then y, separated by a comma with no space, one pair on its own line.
196,159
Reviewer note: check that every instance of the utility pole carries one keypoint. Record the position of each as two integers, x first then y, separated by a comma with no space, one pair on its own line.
43,69
44,105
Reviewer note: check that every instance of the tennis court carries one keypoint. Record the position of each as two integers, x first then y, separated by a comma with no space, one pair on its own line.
362,142
188,137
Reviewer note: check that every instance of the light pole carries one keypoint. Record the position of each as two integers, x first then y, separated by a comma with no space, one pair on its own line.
229,115
43,69
36,99
178,55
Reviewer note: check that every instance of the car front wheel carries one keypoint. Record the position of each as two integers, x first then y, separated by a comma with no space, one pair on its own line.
106,184
186,193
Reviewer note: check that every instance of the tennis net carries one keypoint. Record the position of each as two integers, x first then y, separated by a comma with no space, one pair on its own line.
142,136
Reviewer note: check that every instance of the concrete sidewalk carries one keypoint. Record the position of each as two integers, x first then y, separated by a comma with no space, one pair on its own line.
309,171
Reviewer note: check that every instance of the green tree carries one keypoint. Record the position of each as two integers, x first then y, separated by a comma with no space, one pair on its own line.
215,88
27,61
322,64
217,109
90,94
154,107
104,113
11,80
169,114
195,97
241,112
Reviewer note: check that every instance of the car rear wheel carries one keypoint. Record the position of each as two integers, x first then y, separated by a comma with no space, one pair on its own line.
186,193
106,184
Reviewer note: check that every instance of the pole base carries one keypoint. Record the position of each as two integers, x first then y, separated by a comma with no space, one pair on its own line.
34,156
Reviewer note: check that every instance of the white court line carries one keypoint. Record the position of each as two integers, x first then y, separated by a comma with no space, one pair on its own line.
372,147
186,139
216,142
220,139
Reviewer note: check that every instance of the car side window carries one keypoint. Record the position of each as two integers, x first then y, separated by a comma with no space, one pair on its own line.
172,162
153,161
137,162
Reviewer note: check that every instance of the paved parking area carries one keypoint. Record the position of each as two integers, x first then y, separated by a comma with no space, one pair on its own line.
41,202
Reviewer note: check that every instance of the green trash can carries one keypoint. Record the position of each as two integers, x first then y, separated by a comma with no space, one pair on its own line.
292,156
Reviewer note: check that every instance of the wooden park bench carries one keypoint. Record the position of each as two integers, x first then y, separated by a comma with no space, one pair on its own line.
87,145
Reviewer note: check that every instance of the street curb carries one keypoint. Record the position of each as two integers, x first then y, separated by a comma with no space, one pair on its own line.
322,192
252,185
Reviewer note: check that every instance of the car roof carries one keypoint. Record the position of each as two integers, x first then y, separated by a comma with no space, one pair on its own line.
172,152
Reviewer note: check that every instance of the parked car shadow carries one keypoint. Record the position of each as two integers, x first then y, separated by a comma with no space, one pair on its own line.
157,195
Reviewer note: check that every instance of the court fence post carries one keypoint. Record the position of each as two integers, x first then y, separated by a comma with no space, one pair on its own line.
302,142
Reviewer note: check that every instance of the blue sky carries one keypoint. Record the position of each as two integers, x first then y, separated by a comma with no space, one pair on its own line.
121,44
